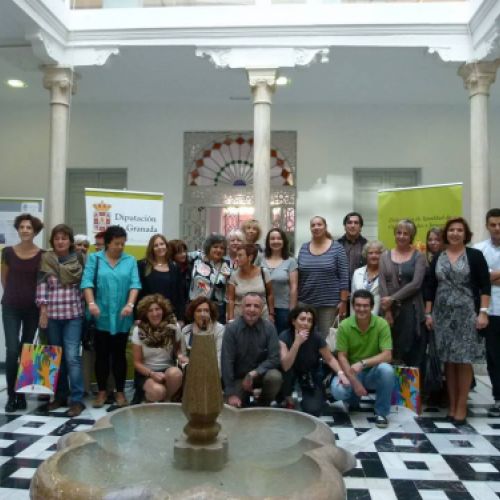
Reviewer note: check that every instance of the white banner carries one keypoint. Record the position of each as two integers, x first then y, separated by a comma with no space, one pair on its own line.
139,213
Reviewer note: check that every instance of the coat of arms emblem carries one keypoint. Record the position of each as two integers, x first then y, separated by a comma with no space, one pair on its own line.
102,216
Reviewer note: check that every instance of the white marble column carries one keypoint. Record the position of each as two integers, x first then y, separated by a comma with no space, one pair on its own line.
478,78
262,83
60,83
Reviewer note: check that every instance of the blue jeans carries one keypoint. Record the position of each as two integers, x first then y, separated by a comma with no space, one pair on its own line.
67,333
13,318
379,378
281,319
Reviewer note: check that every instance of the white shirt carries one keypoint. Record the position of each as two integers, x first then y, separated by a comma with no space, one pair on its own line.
360,281
492,255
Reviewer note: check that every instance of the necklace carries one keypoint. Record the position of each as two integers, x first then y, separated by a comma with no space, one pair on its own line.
161,264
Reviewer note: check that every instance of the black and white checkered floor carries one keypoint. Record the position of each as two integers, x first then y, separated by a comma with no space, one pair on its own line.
414,458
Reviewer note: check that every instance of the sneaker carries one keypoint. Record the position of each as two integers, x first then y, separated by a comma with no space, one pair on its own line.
21,402
11,405
381,422
494,411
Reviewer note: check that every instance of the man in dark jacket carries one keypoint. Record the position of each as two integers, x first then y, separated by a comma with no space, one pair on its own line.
250,356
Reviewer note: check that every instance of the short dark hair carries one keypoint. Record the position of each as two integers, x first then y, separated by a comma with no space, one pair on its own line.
251,250
354,214
100,234
195,303
113,232
36,223
457,220
63,229
294,313
285,251
363,294
492,212
214,239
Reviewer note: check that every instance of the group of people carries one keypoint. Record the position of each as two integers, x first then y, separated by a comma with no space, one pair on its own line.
270,313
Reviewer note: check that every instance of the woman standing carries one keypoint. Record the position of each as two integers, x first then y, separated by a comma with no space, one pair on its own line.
159,274
235,239
179,252
20,265
284,276
111,285
202,316
402,272
433,243
249,278
211,272
157,346
457,309
61,311
252,231
323,275
366,277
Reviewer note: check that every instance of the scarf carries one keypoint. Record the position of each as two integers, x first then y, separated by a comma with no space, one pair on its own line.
162,335
68,270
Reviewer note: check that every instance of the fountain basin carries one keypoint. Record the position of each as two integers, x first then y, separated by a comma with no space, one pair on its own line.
129,454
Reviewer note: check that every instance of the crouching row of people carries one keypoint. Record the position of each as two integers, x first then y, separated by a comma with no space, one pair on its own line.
257,363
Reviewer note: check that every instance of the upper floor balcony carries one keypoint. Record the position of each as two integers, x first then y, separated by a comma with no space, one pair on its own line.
109,4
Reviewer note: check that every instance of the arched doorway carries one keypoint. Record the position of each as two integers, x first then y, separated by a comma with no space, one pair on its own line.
218,189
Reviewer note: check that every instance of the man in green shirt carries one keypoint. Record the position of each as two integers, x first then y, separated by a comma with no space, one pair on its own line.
364,346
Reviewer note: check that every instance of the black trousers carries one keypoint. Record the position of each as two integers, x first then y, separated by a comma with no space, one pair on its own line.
110,349
312,396
492,336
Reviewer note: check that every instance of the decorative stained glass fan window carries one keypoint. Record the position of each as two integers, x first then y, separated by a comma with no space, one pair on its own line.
230,163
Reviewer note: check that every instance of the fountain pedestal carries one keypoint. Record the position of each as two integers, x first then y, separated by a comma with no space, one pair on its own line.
201,447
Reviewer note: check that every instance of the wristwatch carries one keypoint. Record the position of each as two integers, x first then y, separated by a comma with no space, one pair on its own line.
363,363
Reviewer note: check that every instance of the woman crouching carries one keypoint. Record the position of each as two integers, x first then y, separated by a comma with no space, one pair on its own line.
157,345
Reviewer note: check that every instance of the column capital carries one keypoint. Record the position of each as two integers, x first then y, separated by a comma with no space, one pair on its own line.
263,84
479,76
61,82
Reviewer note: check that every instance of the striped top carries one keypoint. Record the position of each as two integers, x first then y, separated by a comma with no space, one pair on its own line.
322,277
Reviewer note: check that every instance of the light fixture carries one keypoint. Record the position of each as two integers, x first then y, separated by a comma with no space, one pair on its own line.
16,84
282,80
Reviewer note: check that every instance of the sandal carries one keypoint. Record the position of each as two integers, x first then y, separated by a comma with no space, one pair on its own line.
120,400
99,400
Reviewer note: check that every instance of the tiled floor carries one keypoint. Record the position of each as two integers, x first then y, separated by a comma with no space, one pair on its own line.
422,457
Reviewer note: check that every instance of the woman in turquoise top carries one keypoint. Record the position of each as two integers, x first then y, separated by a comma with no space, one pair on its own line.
111,285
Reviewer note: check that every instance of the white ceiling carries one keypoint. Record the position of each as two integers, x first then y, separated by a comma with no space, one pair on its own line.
175,74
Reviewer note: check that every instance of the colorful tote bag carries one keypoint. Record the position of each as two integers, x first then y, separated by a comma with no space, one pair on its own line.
38,371
406,390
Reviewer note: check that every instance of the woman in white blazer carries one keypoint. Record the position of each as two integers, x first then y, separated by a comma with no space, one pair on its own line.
366,277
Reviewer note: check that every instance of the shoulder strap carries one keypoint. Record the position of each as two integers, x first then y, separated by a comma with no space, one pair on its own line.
95,276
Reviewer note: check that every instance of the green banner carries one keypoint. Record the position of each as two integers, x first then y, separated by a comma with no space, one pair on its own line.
427,206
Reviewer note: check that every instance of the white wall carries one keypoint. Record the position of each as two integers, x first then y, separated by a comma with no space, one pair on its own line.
148,140
331,141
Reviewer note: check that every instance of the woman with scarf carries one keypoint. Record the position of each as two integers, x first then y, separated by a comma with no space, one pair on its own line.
202,316
59,298
156,347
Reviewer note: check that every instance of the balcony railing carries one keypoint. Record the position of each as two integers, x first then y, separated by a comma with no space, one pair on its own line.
108,4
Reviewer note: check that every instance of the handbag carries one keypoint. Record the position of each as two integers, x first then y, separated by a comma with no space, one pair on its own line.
90,327
406,391
433,378
39,368
331,338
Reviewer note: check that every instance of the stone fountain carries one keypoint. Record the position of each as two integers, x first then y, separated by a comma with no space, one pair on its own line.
146,451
